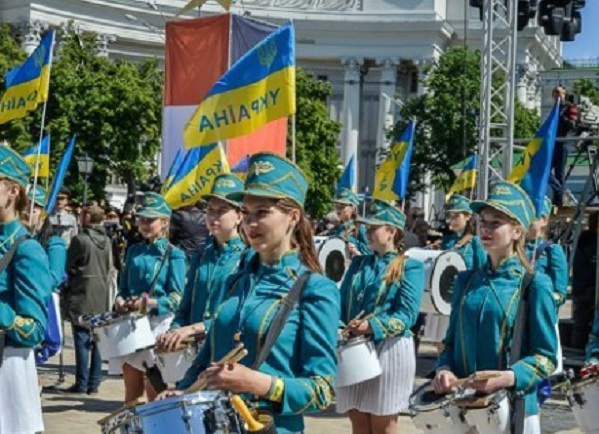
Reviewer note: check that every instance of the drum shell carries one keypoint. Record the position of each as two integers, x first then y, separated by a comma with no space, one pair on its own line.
173,365
332,256
438,416
357,361
584,400
440,268
123,336
494,419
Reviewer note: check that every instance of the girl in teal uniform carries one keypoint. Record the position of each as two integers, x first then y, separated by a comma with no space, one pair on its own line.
156,262
298,373
549,258
387,287
56,249
209,270
484,308
461,237
346,207
25,287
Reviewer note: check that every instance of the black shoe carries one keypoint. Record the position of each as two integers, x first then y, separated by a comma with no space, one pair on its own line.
74,389
92,391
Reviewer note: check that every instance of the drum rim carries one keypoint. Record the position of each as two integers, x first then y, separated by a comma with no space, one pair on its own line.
353,341
437,405
123,318
443,307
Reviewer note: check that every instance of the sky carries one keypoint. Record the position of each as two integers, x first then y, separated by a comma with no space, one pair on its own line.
586,44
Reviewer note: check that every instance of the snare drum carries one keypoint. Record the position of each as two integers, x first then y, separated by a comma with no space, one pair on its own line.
123,335
332,256
583,397
174,364
206,412
434,414
440,268
489,414
357,361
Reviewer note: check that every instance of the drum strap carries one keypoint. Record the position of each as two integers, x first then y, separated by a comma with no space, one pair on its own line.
518,401
278,322
463,241
162,261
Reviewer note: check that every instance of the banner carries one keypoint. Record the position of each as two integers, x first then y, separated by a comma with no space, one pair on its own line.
30,156
61,172
467,179
348,178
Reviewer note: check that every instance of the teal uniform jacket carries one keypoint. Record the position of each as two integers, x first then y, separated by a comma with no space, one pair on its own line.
206,278
24,289
57,258
141,265
355,235
473,251
479,329
554,264
304,356
593,345
394,308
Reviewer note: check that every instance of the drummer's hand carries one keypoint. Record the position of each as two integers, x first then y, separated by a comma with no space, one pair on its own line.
169,394
442,381
171,340
505,380
237,379
360,328
120,305
352,250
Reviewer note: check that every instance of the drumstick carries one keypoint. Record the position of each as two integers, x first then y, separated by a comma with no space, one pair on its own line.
353,320
474,377
202,381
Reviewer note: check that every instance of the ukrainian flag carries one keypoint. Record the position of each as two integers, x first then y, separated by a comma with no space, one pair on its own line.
58,180
391,179
241,168
348,178
534,168
467,179
259,88
172,171
196,175
27,85
30,156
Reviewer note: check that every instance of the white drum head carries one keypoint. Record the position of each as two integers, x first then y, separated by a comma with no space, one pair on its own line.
332,256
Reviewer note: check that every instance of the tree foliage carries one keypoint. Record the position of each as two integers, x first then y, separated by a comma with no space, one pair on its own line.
586,87
114,108
446,116
316,141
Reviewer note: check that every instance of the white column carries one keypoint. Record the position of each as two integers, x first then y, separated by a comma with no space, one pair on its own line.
386,117
522,77
423,66
351,111
102,42
32,35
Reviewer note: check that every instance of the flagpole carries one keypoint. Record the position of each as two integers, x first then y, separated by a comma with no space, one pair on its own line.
293,144
43,124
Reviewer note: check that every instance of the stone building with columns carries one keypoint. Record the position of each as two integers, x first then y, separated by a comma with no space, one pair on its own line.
373,52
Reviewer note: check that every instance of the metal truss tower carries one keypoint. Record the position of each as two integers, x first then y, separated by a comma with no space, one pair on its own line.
498,73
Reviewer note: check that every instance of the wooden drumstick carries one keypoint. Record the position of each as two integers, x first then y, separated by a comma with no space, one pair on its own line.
244,412
351,322
474,377
233,356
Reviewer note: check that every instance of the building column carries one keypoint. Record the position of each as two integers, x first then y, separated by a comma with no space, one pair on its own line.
102,42
423,66
522,77
32,35
351,110
386,118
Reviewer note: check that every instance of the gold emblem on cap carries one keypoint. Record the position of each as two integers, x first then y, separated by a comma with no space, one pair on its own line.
261,167
224,183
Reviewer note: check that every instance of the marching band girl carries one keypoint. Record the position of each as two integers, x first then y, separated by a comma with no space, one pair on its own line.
298,373
484,307
209,270
346,207
25,286
461,237
388,287
152,280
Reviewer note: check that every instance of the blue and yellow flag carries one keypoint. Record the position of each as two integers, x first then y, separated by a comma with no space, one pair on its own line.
61,172
172,171
241,168
30,155
467,179
391,179
348,178
259,88
196,175
534,168
27,85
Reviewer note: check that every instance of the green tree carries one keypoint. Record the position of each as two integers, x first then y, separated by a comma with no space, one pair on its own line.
114,108
587,88
316,143
447,130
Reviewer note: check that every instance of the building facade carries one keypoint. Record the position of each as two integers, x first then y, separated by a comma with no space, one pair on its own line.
374,52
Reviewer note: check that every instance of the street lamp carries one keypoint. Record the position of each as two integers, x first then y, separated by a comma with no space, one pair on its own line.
85,165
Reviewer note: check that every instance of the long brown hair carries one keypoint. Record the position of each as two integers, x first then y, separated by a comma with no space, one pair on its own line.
302,238
519,248
396,267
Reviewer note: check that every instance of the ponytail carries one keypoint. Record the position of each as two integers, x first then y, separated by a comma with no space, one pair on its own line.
520,249
396,267
302,238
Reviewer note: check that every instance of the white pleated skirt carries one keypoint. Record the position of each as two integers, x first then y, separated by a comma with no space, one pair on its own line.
20,404
159,324
389,393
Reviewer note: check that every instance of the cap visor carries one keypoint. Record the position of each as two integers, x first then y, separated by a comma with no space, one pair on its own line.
478,206
235,203
151,214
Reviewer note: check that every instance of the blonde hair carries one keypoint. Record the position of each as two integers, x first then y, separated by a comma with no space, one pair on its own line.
396,267
519,247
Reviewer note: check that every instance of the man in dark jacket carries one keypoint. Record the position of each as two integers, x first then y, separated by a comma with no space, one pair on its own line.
89,264
188,229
